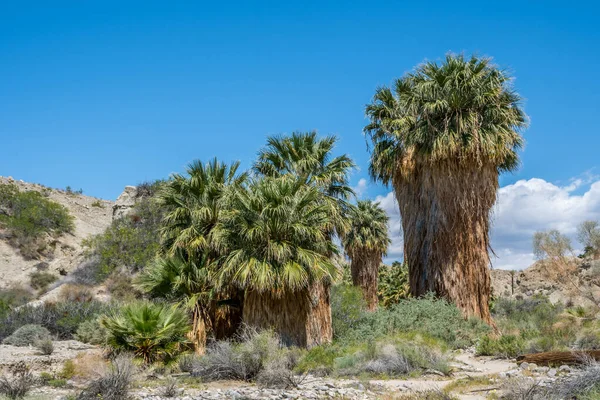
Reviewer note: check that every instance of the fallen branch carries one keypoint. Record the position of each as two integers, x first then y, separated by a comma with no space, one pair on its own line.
560,357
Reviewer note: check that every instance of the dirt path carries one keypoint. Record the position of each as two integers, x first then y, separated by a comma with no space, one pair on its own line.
466,364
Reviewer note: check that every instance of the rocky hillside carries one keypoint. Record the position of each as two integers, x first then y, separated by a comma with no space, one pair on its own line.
91,216
578,283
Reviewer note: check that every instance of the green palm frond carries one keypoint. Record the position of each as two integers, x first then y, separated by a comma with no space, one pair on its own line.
464,110
151,331
368,230
274,236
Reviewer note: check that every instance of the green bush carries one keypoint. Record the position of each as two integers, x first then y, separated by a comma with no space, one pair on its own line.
428,315
27,335
393,283
92,332
543,326
28,215
40,280
153,332
347,308
130,243
399,355
61,319
45,346
13,297
508,346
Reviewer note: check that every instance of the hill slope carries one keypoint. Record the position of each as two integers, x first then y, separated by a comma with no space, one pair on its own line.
66,250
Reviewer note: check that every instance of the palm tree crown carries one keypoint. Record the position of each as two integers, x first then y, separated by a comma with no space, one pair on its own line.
194,203
274,237
463,110
368,230
308,158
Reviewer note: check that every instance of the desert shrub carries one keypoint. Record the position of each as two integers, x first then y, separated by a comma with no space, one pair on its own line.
120,286
40,280
28,215
27,335
393,283
278,370
114,384
153,332
98,204
45,346
508,346
75,293
347,307
187,362
130,242
149,188
390,358
61,319
68,370
588,234
243,360
544,326
57,383
551,245
92,332
427,395
169,389
18,383
429,315
14,297
318,360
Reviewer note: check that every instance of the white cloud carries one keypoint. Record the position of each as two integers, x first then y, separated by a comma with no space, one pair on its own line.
361,187
522,208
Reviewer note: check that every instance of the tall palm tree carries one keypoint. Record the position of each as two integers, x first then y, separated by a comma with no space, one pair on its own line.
274,244
194,203
441,136
309,158
366,243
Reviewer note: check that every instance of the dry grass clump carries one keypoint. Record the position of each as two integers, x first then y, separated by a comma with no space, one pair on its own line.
114,384
18,383
243,360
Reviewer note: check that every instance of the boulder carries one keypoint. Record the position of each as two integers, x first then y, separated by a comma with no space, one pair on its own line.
125,202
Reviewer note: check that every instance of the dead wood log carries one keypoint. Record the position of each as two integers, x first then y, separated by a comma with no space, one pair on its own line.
560,357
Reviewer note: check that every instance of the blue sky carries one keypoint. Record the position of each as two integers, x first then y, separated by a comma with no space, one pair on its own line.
99,95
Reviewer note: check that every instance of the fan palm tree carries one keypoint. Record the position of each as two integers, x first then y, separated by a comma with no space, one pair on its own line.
193,204
309,158
274,241
366,243
441,136
151,331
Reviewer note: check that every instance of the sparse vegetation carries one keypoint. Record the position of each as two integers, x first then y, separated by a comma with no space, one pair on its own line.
40,280
98,204
28,216
114,384
130,243
27,335
61,318
45,346
18,383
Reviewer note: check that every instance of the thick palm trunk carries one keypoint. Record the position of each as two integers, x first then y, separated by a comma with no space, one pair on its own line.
198,333
365,270
445,213
301,318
